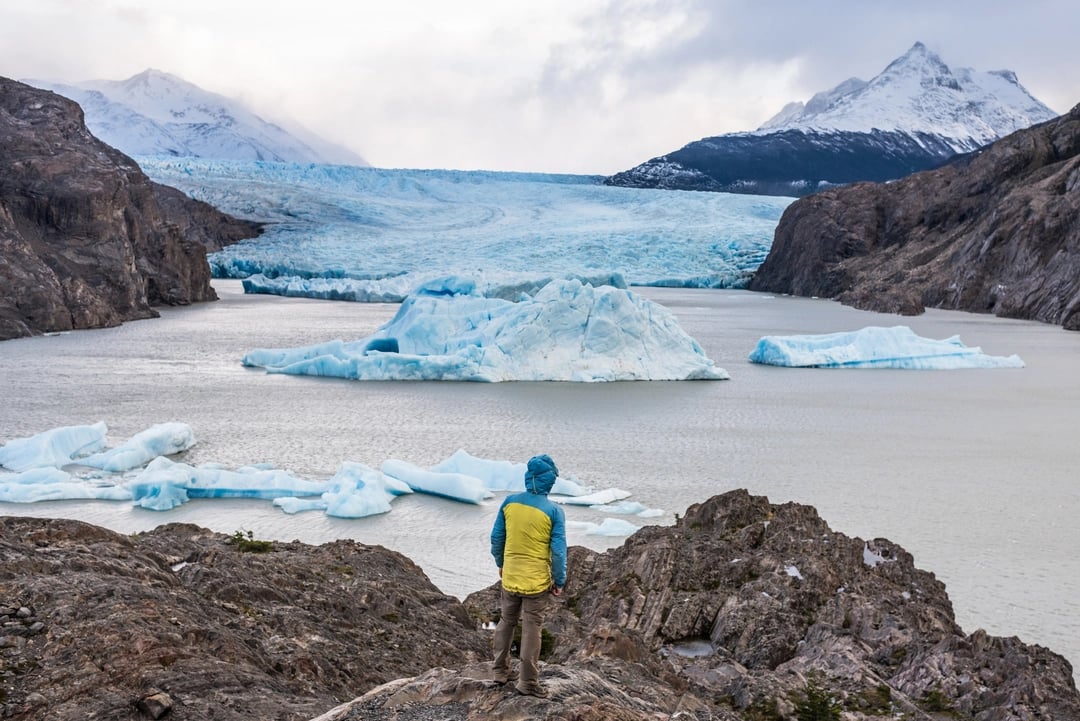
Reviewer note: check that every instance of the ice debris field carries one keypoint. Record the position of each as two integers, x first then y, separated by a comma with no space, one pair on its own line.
374,234
74,463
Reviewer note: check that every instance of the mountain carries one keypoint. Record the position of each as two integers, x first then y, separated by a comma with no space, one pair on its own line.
994,231
155,113
86,239
914,115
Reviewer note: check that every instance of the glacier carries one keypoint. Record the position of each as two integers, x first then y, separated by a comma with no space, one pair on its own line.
376,234
568,331
140,472
875,347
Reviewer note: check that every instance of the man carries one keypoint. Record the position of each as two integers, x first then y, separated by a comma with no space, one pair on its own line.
528,542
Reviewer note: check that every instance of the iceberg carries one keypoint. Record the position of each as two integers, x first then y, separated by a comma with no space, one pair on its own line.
53,484
568,331
356,491
608,527
456,486
875,347
502,475
164,484
164,439
56,447
600,498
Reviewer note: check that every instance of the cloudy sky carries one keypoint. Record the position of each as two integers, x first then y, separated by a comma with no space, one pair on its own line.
583,86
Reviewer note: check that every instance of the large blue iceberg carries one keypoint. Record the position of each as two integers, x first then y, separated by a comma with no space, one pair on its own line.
875,347
568,331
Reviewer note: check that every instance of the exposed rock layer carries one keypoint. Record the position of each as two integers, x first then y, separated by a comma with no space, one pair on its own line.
725,616
997,231
112,621
86,239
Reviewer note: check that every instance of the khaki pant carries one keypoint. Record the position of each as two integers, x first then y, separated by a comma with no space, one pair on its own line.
532,610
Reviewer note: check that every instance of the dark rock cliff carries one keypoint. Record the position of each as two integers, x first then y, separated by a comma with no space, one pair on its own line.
86,239
996,231
737,613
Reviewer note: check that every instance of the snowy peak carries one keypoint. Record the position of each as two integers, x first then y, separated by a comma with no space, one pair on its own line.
919,94
157,113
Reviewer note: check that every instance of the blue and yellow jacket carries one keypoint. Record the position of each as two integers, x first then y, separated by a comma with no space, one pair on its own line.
528,540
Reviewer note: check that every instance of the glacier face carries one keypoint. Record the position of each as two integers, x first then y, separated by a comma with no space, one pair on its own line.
390,230
156,113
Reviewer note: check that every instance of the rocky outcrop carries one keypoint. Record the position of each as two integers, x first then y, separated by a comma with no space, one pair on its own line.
86,239
98,623
997,231
743,611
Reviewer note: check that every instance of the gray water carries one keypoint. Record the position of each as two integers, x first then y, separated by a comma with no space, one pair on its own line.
973,472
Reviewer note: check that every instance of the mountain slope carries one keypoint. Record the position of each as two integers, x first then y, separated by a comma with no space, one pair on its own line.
914,115
996,231
155,113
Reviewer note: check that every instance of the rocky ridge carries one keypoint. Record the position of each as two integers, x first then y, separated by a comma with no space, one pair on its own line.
86,239
743,611
996,231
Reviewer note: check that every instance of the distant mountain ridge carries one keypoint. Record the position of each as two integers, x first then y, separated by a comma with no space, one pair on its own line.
912,116
156,113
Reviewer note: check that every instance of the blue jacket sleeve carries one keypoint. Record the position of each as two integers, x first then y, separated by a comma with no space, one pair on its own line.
498,537
558,548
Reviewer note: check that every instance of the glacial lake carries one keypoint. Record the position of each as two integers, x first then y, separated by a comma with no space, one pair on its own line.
976,473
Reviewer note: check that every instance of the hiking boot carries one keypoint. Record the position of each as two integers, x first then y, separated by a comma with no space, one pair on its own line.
503,678
539,691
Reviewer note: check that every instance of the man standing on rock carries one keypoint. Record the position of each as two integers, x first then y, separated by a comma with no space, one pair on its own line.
528,542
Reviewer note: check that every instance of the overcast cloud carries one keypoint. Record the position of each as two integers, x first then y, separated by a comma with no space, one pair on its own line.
583,86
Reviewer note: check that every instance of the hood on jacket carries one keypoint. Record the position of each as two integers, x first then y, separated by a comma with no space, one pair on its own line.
540,475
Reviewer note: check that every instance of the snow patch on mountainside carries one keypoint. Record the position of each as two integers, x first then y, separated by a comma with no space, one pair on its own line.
919,93
156,113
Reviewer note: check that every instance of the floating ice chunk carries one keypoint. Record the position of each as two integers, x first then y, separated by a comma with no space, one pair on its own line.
356,491
456,486
164,484
164,439
52,484
875,347
630,508
567,332
609,527
57,447
501,475
599,498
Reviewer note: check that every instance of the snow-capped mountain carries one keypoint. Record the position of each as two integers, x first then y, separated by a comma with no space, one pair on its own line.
914,115
156,113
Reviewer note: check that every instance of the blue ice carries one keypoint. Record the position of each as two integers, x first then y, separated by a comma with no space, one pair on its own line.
457,486
875,347
356,490
568,331
164,439
385,230
56,447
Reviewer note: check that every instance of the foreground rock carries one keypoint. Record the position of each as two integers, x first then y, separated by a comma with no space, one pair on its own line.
182,621
743,611
996,232
86,239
